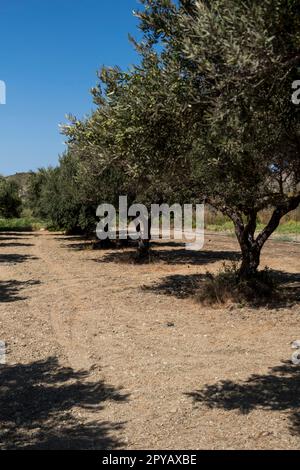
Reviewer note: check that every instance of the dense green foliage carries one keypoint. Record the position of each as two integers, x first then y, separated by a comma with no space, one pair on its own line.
10,201
206,116
21,224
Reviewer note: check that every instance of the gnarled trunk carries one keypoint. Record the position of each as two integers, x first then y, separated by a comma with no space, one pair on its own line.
250,261
250,244
249,247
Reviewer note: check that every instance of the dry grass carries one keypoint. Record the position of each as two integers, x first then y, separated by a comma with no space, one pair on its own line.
226,286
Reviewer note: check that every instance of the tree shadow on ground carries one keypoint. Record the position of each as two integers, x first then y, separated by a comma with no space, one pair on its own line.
63,237
189,285
177,285
81,243
10,290
14,239
172,257
166,243
13,244
277,391
16,258
289,283
39,403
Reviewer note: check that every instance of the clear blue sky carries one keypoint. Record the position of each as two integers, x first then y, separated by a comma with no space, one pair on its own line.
50,51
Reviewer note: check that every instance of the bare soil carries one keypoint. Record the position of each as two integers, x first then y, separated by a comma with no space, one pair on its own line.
103,353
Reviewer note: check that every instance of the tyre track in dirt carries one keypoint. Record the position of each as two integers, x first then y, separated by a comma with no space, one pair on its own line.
45,356
94,314
58,294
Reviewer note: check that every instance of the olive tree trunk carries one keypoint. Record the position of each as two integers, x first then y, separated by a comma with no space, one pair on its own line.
144,242
251,245
250,261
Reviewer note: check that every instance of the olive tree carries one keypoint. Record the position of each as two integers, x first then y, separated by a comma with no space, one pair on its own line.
239,60
10,201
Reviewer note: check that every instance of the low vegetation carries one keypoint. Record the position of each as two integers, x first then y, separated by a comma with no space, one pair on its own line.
227,287
21,224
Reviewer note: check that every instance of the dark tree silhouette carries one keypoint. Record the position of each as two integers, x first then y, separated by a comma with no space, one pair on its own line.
276,391
36,403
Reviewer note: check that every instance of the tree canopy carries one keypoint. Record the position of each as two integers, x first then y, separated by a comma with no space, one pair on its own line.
10,201
206,116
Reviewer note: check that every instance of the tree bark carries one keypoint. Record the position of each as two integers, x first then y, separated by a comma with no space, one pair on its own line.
250,261
280,211
250,246
144,242
250,251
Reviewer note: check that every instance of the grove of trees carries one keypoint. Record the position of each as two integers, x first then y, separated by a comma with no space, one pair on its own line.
205,116
10,201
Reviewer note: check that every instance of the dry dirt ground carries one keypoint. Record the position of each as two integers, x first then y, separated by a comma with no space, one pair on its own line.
106,354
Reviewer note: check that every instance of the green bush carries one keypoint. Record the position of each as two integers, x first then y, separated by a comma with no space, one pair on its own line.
10,201
23,224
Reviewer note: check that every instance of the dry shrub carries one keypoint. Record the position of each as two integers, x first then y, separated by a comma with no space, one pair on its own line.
214,217
227,287
265,216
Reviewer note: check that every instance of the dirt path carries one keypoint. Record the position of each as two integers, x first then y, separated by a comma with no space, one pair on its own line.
108,354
